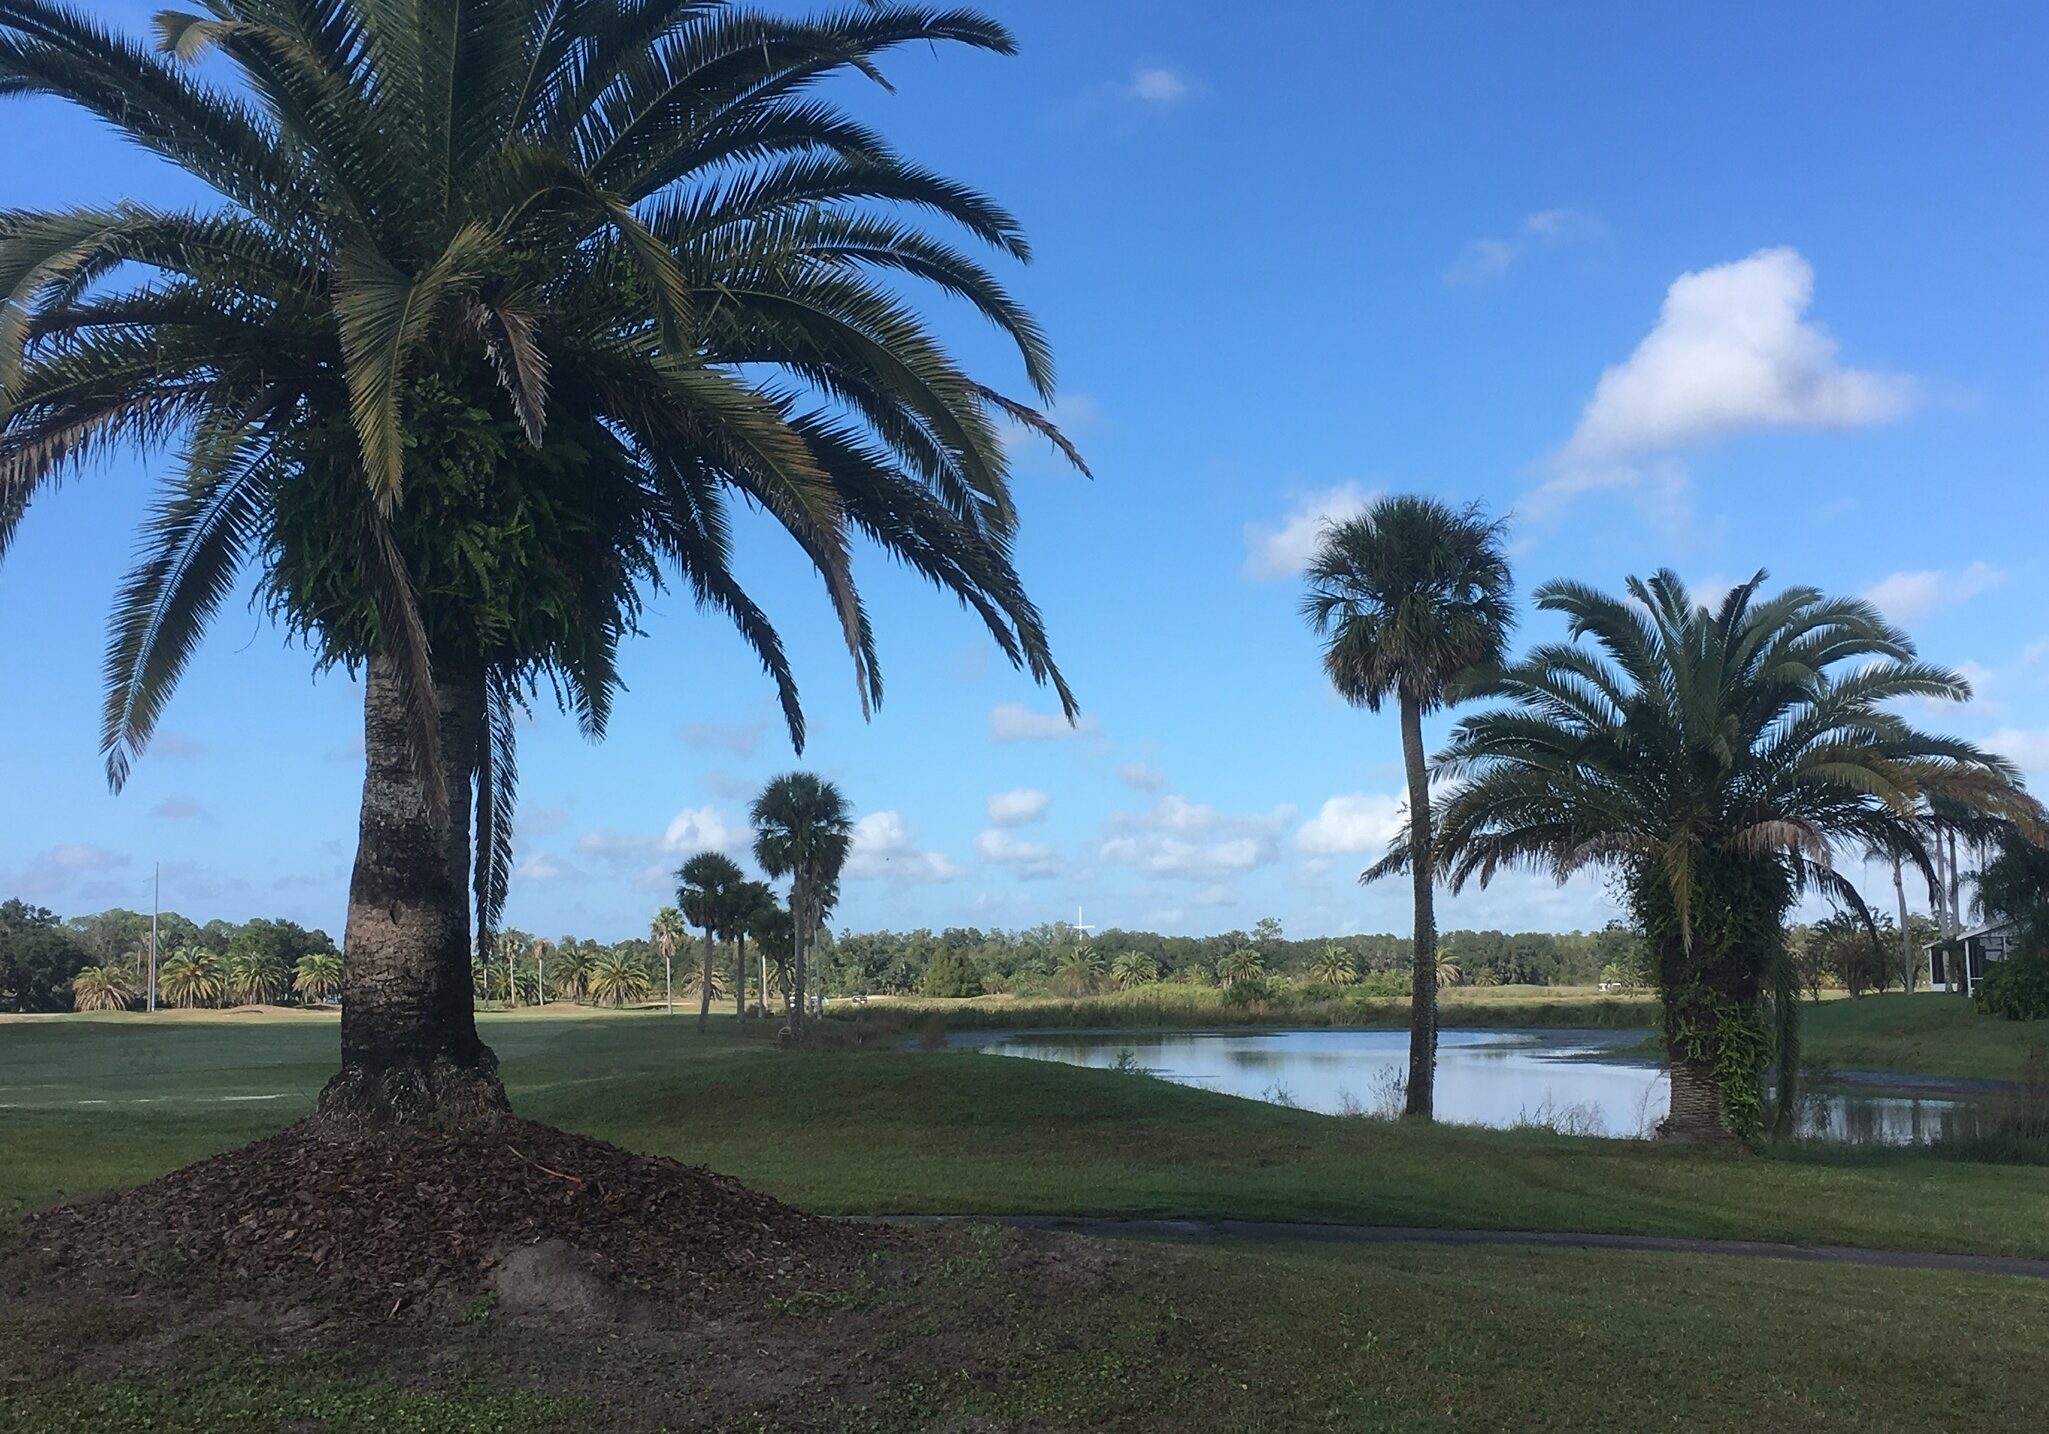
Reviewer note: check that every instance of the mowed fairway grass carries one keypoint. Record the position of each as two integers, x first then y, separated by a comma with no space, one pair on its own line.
1218,1337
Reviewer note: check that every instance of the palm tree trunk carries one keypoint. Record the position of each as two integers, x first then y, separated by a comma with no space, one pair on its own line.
740,975
1696,1113
410,1050
800,911
1899,891
1421,1102
704,983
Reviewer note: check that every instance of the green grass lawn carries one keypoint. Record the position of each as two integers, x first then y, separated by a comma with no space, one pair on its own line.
1926,1034
892,1131
1007,1333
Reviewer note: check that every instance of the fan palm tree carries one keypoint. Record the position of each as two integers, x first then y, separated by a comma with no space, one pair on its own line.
1409,596
1134,968
747,901
1242,964
617,980
256,977
704,891
192,976
499,310
1334,967
665,931
774,937
101,988
802,830
542,946
317,976
1713,759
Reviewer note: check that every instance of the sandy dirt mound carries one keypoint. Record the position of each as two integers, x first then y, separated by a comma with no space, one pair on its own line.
404,1217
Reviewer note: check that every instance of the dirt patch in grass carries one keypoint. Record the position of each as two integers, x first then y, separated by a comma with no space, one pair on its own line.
392,1220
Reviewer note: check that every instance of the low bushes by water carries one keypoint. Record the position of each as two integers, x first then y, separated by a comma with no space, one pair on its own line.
2015,1130
1269,1003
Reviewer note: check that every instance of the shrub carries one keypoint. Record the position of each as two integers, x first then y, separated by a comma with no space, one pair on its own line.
1257,990
2016,988
951,975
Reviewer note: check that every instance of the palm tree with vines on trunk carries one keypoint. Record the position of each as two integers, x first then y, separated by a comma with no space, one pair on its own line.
496,318
803,830
1714,758
1409,596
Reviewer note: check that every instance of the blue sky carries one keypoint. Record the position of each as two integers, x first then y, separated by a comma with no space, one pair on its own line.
1715,287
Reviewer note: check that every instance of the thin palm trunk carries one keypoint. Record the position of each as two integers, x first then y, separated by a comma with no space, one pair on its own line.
1421,1101
410,1050
669,976
1899,891
740,974
800,910
704,983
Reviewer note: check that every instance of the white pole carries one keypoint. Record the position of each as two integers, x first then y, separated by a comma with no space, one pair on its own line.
156,902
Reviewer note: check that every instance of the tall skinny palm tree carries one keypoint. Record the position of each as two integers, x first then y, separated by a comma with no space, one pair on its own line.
498,314
748,900
666,930
704,891
1409,596
803,830
1714,759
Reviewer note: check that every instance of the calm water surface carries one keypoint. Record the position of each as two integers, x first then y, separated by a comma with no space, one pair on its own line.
1584,1082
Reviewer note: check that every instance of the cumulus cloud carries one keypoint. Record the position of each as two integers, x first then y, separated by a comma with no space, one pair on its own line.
1732,352
1141,776
1283,549
1355,822
651,861
1179,838
1485,260
1015,722
1158,85
543,867
884,851
1017,807
1907,597
1027,860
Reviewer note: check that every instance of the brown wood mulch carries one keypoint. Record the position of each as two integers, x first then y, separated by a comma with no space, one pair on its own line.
398,1217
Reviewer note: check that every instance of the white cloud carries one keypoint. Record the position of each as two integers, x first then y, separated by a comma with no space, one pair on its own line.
1027,860
696,829
1283,550
76,856
1906,597
1485,260
1141,776
1015,722
1731,353
651,861
1158,85
1018,807
1179,838
737,738
2026,748
1356,822
884,851
543,867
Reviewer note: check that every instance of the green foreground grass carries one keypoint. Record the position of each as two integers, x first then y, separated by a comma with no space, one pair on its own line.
994,1335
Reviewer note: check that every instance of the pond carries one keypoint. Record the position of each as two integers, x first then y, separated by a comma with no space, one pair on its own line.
1579,1082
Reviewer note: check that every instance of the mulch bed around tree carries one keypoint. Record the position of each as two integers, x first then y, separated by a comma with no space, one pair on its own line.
400,1217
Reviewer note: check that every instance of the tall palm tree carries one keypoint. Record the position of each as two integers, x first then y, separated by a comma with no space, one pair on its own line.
317,976
704,891
1409,596
803,830
1713,759
746,903
542,946
773,934
500,309
665,931
101,988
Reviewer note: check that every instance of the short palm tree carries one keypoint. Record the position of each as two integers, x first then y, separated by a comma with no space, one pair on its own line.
617,980
1409,596
1334,967
192,976
101,988
1713,759
1134,968
1241,965
317,976
256,977
1080,970
1449,972
747,901
665,931
803,830
704,890
498,314
572,968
